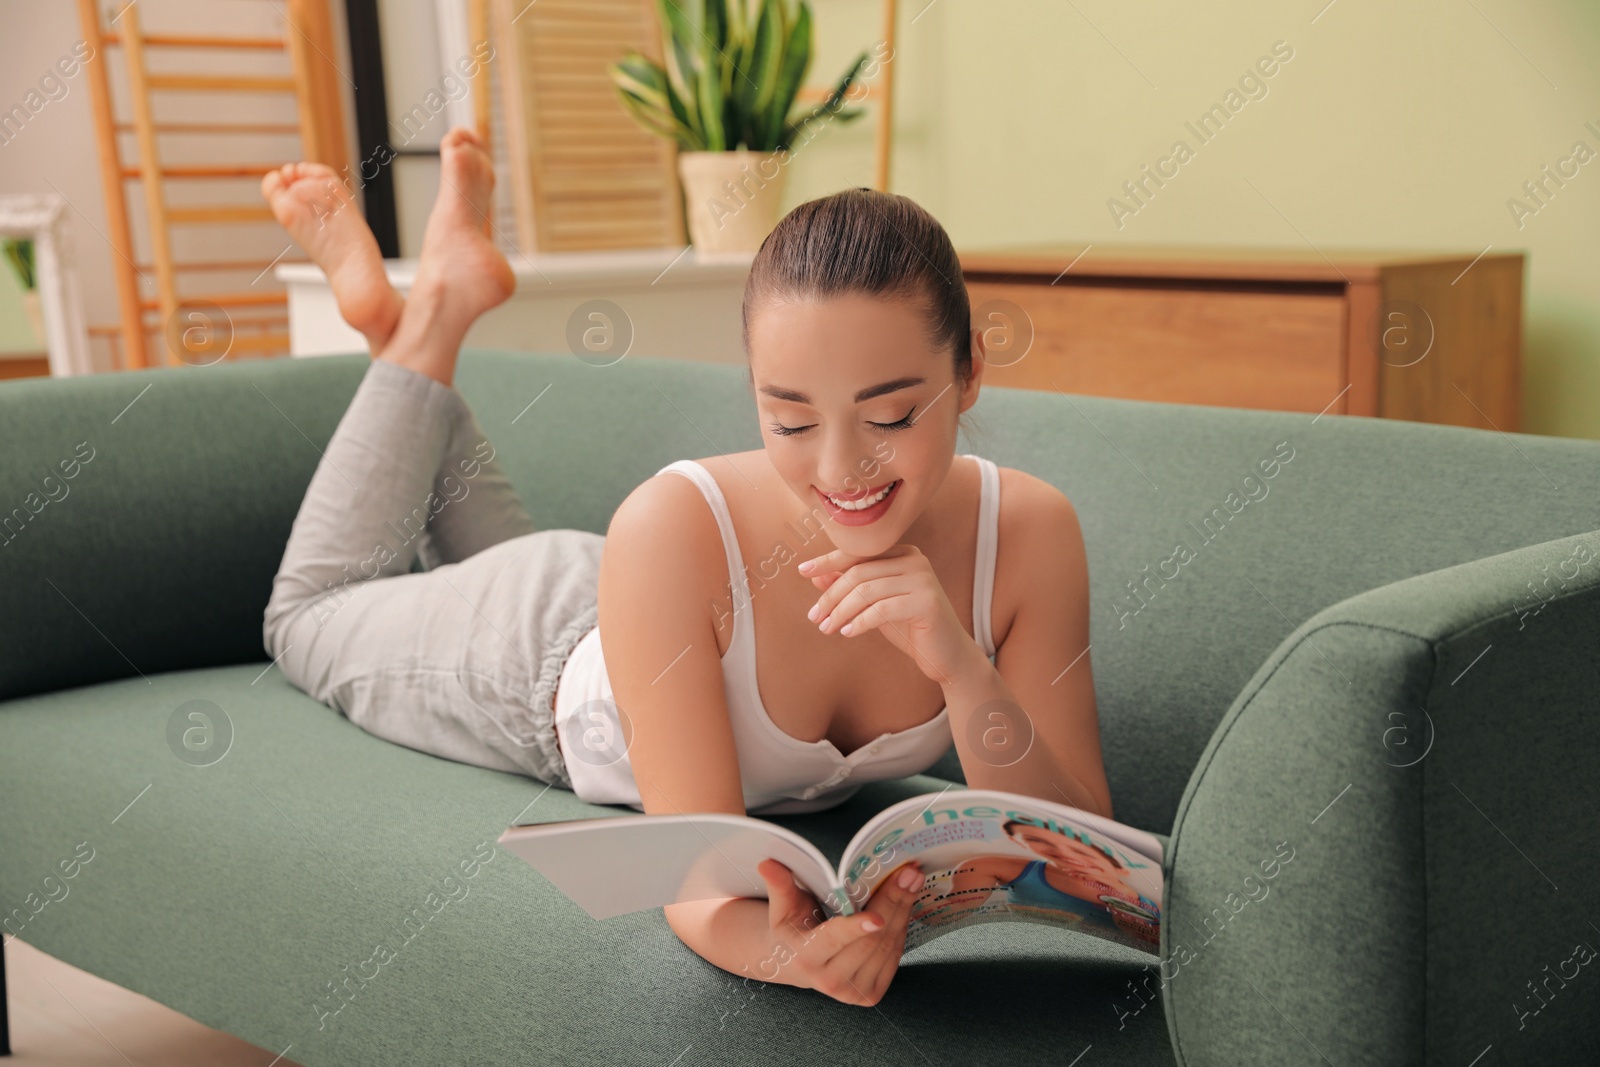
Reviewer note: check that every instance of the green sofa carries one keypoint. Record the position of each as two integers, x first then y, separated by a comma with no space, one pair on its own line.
1361,698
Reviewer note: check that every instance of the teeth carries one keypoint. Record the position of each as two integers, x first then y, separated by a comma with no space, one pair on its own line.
863,503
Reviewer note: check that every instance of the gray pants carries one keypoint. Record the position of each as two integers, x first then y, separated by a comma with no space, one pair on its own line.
459,660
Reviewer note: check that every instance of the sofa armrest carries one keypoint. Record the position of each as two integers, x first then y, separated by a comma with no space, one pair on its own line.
1385,848
143,514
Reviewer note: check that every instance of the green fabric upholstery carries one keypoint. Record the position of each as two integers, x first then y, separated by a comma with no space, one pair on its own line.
1427,749
1242,684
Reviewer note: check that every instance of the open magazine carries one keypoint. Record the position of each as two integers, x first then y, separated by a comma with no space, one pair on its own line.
988,856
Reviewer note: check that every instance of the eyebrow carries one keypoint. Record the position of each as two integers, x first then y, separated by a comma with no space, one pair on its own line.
892,386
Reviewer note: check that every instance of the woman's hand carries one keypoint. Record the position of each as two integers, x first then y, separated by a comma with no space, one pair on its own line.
851,958
898,595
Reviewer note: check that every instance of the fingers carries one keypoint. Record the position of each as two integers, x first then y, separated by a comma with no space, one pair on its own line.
860,584
888,604
850,958
897,894
872,960
892,904
823,563
840,560
881,968
845,598
788,904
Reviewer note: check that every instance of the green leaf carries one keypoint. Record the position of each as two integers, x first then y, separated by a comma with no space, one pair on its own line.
678,36
641,75
711,111
695,114
19,250
647,94
715,24
767,48
659,121
833,106
796,53
731,79
717,54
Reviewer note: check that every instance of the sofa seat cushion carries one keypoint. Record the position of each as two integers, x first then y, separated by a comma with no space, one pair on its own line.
247,891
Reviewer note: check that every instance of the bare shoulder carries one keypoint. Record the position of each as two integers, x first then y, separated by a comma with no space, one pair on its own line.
666,517
657,589
664,542
1040,547
1031,507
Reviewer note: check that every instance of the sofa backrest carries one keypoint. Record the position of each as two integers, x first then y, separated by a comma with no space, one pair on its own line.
1211,532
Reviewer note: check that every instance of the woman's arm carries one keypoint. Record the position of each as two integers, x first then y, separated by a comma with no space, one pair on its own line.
1027,723
658,590
732,933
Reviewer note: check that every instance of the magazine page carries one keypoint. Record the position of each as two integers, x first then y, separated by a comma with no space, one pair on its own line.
991,856
620,864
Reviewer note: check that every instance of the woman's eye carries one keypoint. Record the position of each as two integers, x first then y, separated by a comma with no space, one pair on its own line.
887,427
899,425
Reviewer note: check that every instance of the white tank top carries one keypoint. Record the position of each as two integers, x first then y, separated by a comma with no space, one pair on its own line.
780,773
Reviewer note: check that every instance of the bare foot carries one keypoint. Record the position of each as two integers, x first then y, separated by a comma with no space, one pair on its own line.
455,250
310,202
460,273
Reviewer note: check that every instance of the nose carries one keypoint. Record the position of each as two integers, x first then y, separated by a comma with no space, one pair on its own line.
839,469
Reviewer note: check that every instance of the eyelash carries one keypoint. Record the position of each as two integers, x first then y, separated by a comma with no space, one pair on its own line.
887,427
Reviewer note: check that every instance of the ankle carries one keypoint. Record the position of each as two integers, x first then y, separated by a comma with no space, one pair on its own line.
429,334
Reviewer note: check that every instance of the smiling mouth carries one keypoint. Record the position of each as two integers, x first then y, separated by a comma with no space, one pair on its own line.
860,501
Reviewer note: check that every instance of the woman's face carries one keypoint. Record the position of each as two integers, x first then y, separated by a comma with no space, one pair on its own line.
854,398
1066,852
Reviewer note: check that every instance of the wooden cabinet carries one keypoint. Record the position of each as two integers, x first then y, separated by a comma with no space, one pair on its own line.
1428,336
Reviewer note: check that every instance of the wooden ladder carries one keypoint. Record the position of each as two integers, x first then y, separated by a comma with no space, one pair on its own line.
199,337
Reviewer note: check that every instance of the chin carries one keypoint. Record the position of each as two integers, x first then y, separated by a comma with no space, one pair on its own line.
856,542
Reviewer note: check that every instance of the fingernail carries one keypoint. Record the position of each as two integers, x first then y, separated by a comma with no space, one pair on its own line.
910,878
812,614
870,925
805,567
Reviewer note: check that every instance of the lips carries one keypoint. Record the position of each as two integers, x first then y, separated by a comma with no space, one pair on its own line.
861,516
857,495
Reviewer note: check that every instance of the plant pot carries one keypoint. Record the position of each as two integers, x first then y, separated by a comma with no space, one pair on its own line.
35,310
732,198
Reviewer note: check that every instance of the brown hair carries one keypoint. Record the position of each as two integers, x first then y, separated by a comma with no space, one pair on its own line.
864,241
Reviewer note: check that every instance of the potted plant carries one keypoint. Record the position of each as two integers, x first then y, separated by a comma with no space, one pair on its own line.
20,253
725,96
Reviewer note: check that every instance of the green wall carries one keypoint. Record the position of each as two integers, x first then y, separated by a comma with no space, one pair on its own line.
1408,123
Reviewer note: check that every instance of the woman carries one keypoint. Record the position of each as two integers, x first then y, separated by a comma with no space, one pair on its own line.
935,579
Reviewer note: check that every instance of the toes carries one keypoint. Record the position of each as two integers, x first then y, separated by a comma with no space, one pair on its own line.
461,137
276,181
309,172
